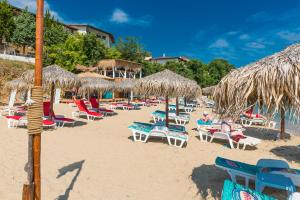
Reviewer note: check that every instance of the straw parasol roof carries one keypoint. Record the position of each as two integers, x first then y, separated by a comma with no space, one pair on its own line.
54,74
126,85
272,82
93,75
92,82
17,84
167,83
110,63
209,91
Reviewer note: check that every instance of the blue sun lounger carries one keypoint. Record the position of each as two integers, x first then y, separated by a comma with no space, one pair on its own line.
249,172
175,134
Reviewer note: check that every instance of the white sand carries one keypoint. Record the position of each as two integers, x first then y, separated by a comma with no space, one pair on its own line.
99,160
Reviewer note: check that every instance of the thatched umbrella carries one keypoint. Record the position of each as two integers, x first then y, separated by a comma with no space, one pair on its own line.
95,84
272,83
167,83
126,85
209,91
17,84
54,76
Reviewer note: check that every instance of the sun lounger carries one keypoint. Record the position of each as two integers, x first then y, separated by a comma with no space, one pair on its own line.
233,191
60,120
83,111
95,107
175,134
123,106
246,121
182,119
249,172
187,109
16,121
208,134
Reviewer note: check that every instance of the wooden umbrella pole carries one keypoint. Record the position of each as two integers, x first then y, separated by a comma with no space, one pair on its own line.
177,107
282,124
36,143
167,111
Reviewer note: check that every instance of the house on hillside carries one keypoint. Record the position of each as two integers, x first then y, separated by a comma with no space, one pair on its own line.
106,37
164,59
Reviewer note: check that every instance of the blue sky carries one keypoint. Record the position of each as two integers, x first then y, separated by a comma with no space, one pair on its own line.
240,31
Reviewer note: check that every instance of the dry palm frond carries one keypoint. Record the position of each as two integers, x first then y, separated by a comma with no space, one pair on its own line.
272,83
167,83
54,74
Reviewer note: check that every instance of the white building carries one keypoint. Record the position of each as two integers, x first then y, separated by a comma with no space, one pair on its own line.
107,37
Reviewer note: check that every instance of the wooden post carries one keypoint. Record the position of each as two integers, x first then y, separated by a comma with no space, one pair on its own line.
177,107
141,74
36,143
167,111
125,74
282,125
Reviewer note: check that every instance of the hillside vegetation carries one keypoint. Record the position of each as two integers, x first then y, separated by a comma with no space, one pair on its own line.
10,70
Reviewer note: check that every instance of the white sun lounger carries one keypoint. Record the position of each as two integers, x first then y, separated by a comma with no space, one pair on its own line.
206,136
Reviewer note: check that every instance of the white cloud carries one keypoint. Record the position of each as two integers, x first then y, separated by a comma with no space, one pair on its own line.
244,37
31,5
219,43
232,32
289,35
121,17
255,45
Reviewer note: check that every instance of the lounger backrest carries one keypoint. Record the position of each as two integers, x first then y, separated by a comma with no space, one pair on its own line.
81,106
46,108
237,166
272,163
94,103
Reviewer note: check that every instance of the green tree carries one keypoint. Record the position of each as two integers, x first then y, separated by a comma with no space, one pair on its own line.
7,23
217,69
151,68
112,53
54,32
180,68
93,48
24,34
131,49
77,49
67,54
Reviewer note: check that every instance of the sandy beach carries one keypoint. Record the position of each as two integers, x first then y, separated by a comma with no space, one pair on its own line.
99,160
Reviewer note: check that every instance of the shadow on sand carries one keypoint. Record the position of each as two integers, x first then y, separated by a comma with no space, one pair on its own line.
264,133
209,180
77,166
290,153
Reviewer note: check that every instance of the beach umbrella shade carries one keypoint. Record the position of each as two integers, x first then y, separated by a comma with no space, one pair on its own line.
126,85
91,82
272,83
167,83
54,76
